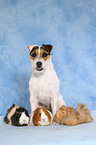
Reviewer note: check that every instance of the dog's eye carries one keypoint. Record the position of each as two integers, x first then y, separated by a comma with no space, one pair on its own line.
40,114
44,54
33,54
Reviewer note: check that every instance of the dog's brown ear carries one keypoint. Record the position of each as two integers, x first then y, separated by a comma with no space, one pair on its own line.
48,47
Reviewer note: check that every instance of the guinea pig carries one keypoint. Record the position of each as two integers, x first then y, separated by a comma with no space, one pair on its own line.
17,116
70,116
42,116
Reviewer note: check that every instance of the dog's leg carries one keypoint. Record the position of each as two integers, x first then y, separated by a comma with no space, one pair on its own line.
60,101
34,103
54,104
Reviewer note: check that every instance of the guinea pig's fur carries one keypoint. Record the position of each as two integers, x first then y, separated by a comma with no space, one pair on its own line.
70,116
42,116
17,116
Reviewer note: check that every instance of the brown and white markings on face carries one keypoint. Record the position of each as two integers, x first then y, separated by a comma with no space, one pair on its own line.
46,117
42,117
40,56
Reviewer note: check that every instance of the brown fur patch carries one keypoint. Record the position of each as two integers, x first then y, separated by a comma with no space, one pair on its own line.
36,116
48,47
47,114
33,52
42,52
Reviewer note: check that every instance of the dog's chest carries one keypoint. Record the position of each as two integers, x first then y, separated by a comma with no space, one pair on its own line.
44,86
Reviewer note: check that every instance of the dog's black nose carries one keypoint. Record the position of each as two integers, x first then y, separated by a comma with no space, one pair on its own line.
39,64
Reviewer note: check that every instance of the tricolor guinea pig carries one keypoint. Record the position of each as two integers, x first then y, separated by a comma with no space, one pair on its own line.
17,116
42,116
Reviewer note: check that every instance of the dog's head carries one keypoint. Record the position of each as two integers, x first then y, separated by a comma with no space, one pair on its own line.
40,57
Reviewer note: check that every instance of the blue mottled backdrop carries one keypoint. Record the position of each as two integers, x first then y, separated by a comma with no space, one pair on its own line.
70,26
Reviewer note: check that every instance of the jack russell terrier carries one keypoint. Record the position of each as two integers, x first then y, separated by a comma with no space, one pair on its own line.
44,83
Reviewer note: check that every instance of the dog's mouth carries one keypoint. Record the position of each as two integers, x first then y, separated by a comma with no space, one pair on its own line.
39,69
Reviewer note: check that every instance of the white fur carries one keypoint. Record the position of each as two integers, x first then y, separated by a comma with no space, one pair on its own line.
31,47
39,49
44,86
44,119
23,119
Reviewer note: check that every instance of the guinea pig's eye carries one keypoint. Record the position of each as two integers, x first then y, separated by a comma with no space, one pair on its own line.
18,112
45,54
40,114
63,112
33,54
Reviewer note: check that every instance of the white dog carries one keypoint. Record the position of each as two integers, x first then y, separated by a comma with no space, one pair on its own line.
44,83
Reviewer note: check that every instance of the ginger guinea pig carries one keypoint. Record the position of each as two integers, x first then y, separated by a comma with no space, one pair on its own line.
70,116
42,116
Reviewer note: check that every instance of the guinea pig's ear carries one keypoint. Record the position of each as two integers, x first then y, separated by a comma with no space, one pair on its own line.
50,113
63,107
48,47
34,111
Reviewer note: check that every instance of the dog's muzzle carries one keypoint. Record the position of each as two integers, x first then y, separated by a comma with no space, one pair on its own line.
39,66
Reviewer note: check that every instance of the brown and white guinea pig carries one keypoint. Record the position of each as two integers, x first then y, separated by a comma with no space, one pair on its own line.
17,116
42,116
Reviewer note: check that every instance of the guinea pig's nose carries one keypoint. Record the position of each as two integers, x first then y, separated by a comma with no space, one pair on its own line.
43,119
39,64
24,121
